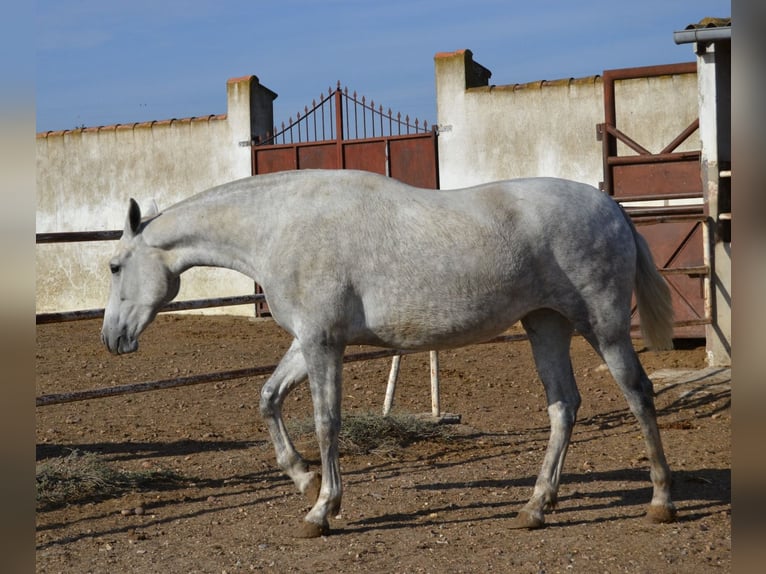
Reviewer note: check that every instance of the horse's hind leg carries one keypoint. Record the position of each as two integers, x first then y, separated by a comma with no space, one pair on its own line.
550,335
626,369
290,372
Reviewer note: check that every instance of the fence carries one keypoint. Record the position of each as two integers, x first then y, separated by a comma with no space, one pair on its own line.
331,119
112,235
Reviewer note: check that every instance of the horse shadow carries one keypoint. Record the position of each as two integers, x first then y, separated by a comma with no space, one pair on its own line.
698,493
130,450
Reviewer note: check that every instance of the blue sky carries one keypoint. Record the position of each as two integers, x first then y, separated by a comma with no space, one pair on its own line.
105,62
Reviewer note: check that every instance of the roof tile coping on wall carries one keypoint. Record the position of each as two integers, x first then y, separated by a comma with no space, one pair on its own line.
710,22
133,125
539,84
146,124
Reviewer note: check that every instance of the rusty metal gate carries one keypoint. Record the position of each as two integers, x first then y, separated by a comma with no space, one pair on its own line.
345,131
675,231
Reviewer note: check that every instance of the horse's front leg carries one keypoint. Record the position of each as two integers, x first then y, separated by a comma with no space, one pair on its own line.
325,365
290,372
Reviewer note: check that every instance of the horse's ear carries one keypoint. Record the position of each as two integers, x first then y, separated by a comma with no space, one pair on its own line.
134,218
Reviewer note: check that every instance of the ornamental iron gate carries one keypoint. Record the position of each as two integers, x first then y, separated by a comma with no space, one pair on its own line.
344,131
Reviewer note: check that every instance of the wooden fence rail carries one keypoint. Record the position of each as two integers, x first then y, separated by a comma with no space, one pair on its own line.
58,398
113,235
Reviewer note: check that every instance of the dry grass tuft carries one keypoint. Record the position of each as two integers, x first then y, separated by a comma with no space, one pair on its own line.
369,433
84,477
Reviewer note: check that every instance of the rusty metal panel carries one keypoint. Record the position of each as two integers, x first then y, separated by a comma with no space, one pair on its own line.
270,160
414,161
678,246
671,177
321,155
367,155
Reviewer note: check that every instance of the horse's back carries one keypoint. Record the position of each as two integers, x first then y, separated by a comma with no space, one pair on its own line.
408,267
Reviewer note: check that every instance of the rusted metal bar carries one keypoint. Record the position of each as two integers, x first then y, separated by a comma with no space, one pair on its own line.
321,105
347,123
692,322
66,316
603,137
665,211
339,127
314,118
691,270
58,398
653,158
682,137
650,71
661,196
627,140
643,219
74,236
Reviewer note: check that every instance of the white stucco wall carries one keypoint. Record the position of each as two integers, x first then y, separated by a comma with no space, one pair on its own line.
489,132
85,178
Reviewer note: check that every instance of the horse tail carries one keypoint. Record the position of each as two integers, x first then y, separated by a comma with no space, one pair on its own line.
652,297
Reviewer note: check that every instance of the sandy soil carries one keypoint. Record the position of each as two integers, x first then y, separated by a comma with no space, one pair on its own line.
434,506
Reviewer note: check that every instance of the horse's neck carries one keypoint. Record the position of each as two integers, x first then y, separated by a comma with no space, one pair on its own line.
206,235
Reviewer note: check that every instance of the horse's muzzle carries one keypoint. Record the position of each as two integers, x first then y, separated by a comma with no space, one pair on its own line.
121,345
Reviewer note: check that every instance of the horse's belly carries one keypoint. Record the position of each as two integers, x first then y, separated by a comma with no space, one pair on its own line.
435,327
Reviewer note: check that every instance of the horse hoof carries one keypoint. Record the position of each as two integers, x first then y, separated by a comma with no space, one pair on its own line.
660,514
312,530
526,520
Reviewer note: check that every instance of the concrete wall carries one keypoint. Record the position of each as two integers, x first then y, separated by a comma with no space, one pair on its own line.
714,69
546,128
85,178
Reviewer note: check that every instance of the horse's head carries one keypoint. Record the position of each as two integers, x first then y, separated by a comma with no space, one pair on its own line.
141,284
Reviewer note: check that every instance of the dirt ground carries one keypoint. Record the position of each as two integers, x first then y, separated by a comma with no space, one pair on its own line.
434,506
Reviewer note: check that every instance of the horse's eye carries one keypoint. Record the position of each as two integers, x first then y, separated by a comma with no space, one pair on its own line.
114,268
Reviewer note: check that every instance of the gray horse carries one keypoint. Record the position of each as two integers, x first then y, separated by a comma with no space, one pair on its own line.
348,257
